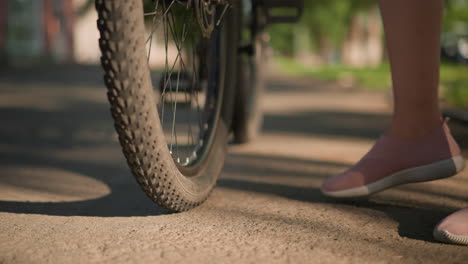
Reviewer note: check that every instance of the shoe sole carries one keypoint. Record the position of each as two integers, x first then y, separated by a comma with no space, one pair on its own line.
447,237
434,171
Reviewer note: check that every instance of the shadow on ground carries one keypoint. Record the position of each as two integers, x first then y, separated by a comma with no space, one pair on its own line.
65,140
416,219
32,138
86,75
328,123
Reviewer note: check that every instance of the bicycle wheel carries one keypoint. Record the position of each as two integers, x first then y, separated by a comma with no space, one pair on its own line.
172,119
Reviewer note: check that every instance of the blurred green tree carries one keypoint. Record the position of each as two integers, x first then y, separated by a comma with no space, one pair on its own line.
332,24
456,16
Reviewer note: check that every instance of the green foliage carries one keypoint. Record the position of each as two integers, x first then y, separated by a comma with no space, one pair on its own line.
453,77
330,20
456,15
282,39
367,77
327,19
457,94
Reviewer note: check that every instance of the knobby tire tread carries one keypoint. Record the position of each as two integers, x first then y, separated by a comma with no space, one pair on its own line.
127,88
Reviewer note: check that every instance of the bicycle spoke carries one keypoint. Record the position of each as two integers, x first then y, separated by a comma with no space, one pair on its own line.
151,35
182,67
153,29
174,110
185,76
195,74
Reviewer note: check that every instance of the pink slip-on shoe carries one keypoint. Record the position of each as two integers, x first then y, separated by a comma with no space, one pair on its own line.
453,229
392,162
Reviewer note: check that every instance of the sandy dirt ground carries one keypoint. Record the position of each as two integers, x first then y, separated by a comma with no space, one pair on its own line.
67,196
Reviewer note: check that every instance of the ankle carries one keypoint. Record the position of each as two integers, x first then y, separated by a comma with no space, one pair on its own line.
413,129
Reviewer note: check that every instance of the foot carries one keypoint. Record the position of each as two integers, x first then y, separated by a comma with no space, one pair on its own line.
395,161
453,229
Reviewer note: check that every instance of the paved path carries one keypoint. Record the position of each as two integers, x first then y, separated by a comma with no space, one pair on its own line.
67,196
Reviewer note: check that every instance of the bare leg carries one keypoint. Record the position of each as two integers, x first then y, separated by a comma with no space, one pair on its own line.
418,145
412,29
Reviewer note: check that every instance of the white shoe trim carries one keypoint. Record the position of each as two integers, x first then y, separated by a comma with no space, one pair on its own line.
434,171
447,237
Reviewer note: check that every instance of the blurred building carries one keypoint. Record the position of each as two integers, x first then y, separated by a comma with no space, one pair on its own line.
41,31
36,30
56,31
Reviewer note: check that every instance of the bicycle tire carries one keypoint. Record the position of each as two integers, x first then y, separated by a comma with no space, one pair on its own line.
135,113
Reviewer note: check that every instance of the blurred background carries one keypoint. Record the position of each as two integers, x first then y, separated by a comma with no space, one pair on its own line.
336,40
343,41
48,31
